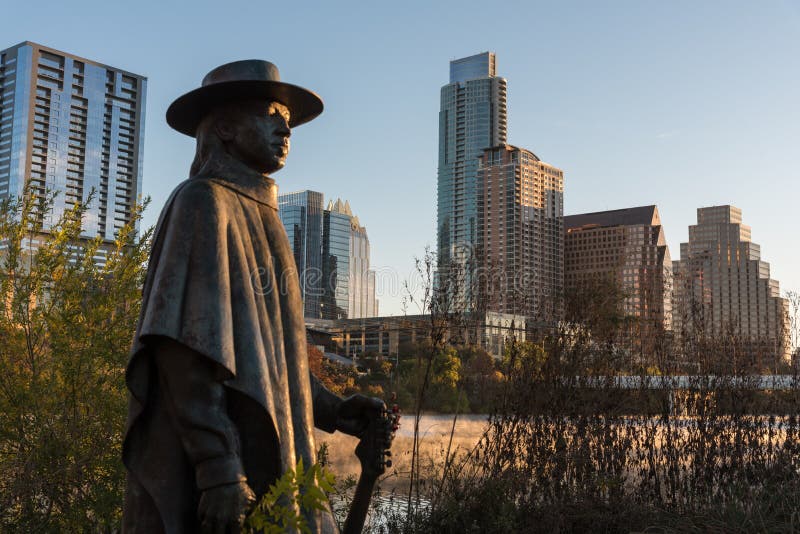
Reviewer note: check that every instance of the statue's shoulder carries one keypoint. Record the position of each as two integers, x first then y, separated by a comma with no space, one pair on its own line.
192,199
196,203
198,191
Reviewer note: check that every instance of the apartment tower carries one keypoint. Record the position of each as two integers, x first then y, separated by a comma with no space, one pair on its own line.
521,233
472,117
75,127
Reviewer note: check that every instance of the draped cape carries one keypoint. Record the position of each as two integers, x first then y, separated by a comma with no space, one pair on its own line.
222,281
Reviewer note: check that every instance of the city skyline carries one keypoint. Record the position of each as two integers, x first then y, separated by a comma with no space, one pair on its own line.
332,252
656,104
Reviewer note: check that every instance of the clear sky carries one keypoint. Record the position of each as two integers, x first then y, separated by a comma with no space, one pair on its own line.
681,104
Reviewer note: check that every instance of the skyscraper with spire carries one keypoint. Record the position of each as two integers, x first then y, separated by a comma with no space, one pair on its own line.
349,282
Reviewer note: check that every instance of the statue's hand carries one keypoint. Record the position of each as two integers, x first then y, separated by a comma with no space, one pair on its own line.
223,509
355,413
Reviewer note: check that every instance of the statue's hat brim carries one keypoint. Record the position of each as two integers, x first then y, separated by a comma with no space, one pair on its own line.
237,81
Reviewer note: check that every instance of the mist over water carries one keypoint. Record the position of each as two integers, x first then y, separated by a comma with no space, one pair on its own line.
434,431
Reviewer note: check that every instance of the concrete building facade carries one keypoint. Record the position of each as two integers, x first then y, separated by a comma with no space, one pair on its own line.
722,287
520,234
627,249
390,336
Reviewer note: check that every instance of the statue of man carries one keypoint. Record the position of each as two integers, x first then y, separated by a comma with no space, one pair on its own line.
221,398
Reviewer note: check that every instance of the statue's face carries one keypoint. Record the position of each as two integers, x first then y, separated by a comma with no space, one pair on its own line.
260,137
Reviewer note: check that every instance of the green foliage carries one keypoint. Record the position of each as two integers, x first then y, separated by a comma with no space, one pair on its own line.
462,378
444,392
480,379
296,495
446,368
65,324
526,359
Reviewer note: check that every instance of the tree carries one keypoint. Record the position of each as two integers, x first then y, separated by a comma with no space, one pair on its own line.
598,305
66,324
479,377
443,393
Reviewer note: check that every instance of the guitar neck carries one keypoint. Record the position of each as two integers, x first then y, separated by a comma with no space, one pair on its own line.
375,456
360,505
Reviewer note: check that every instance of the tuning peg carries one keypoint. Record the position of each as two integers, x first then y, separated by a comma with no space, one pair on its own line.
388,463
387,453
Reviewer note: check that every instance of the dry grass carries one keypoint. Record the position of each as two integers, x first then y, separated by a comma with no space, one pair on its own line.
434,438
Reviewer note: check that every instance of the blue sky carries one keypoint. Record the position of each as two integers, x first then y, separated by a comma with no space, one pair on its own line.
681,104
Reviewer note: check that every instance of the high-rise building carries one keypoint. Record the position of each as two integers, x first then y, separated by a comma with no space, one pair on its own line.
75,127
521,233
625,251
302,217
336,243
331,250
349,284
722,287
472,118
363,302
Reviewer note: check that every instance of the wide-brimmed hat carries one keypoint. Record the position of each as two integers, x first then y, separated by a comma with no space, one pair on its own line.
242,80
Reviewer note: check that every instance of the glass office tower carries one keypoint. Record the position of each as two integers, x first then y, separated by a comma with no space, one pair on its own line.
472,118
363,302
75,127
301,214
336,262
331,250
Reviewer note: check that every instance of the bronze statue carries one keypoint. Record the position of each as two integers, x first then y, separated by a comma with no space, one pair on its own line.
221,398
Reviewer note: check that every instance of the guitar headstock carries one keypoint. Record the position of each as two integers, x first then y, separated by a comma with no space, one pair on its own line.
374,448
